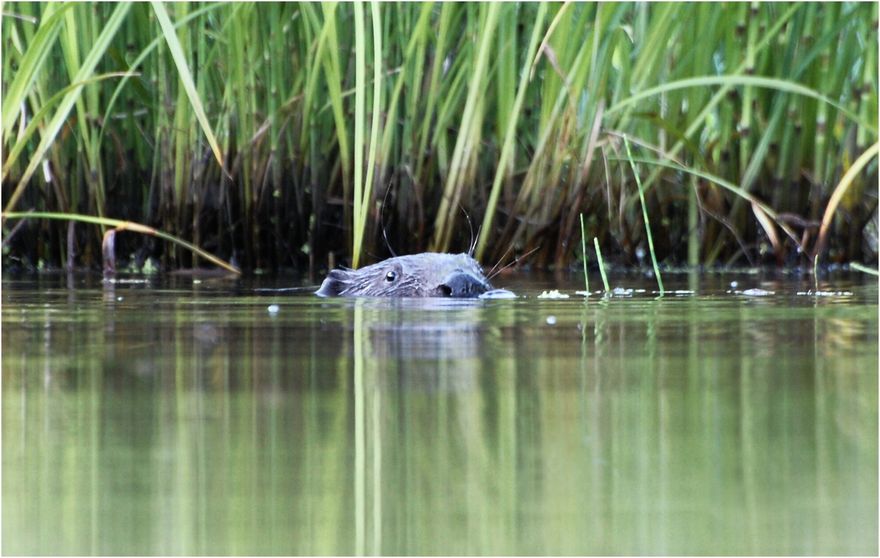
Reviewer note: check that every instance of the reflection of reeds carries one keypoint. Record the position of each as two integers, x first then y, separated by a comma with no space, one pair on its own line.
264,131
678,429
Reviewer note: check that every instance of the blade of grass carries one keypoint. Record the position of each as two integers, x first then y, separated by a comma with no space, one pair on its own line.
360,79
839,192
122,225
186,79
724,184
601,266
415,40
361,223
510,134
334,80
584,251
750,12
755,81
708,110
645,214
54,126
864,269
466,140
33,60
143,55
37,119
443,34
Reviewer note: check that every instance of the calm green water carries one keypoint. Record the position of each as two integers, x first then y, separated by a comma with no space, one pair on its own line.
182,417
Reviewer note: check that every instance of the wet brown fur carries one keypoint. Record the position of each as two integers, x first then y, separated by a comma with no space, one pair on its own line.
420,275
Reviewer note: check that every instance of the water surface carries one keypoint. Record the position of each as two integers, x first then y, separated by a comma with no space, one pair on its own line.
173,416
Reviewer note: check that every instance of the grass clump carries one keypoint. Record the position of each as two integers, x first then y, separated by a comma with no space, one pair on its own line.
269,133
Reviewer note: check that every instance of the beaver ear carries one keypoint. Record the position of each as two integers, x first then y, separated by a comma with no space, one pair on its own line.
335,283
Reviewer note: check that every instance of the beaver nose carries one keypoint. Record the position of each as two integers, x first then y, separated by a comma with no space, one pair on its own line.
459,284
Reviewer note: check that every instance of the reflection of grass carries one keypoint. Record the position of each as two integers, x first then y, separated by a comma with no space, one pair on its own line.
360,444
271,130
668,439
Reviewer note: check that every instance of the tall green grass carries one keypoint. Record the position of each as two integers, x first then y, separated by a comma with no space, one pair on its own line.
270,134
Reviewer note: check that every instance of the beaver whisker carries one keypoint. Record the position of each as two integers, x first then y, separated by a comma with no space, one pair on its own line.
504,255
382,221
473,246
515,260
470,226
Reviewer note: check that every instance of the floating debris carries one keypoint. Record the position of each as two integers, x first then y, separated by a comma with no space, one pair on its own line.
273,308
551,320
620,291
600,292
498,293
553,294
824,293
756,292
116,281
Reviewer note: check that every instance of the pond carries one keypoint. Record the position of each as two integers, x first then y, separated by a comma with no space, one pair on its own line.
735,415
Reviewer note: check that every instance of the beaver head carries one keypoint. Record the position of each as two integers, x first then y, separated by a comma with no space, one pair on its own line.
420,275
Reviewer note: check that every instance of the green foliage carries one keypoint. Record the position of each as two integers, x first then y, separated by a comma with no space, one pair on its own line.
278,133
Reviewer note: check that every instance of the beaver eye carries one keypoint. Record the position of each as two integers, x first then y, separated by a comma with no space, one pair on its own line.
391,276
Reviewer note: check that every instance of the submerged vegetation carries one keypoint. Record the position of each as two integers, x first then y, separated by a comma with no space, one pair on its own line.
276,135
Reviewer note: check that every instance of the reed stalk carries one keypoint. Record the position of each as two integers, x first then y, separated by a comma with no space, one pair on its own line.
359,117
363,194
467,140
645,216
601,266
584,253
864,269
505,161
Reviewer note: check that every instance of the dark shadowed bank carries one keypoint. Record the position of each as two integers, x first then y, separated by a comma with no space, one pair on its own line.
278,135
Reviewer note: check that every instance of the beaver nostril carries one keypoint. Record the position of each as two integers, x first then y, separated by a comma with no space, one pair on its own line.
445,290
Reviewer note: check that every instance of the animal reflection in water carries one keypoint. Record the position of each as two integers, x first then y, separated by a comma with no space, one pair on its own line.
417,276
429,334
428,344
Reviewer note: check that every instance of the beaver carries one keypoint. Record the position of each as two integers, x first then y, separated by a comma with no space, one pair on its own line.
419,275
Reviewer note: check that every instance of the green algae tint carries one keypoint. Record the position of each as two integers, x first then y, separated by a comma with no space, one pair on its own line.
732,416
